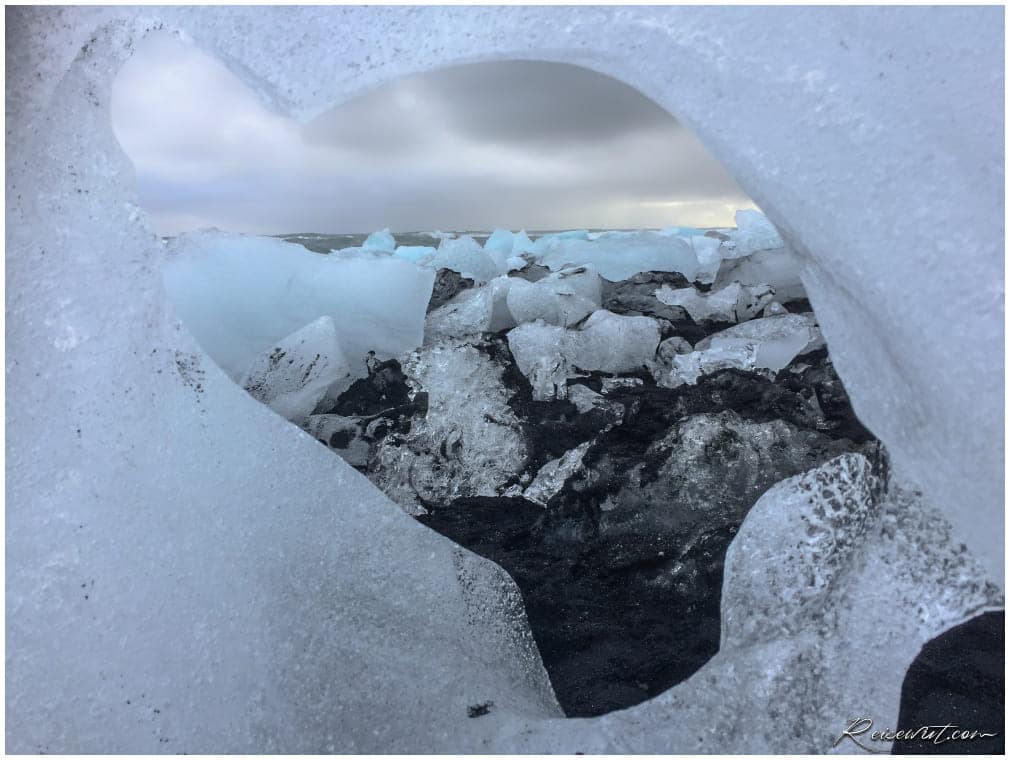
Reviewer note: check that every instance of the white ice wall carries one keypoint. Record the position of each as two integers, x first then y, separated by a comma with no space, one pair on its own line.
284,615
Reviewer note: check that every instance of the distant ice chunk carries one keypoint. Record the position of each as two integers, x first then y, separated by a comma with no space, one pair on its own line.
774,308
414,253
465,255
521,243
778,268
707,252
733,303
562,298
380,241
606,342
515,262
293,376
754,232
241,294
620,257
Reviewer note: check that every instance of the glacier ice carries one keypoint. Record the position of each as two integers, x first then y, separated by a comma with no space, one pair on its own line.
241,572
380,240
294,376
240,294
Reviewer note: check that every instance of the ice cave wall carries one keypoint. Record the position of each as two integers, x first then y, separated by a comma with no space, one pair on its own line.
187,571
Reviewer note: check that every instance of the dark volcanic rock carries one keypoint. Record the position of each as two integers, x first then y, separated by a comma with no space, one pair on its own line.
637,295
622,572
532,272
957,679
616,621
384,388
448,283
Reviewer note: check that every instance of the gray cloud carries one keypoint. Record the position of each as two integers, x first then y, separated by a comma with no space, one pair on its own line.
512,144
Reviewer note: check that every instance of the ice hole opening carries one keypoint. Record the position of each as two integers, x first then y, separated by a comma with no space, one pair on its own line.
594,406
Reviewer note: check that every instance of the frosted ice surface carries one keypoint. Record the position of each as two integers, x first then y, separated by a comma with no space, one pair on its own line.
294,376
241,573
464,255
381,240
240,294
605,341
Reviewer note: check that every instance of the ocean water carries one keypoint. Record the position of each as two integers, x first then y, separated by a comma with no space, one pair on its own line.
324,242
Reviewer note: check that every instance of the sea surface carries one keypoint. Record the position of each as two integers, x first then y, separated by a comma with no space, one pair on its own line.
324,242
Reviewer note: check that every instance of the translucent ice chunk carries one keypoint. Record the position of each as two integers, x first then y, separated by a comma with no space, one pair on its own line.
606,342
293,376
241,294
561,298
380,241
464,255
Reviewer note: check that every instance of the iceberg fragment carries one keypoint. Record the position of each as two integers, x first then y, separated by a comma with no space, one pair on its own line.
416,253
754,232
733,303
562,298
552,476
766,344
241,294
294,376
620,257
472,312
465,255
605,342
380,241
469,441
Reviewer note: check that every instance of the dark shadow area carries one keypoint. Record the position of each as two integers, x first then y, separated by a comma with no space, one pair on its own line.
957,679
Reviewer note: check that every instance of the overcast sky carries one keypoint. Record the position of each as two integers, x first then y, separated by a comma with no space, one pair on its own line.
514,144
